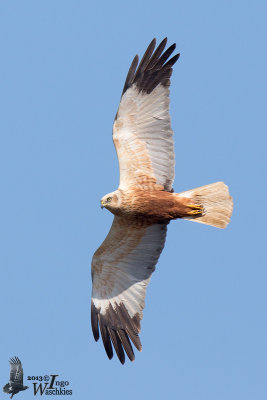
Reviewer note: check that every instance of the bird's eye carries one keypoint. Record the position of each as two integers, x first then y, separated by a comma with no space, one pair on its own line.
109,199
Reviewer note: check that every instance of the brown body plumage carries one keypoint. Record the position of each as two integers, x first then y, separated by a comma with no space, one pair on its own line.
152,206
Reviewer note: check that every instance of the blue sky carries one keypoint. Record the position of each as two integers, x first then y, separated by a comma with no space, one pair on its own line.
63,65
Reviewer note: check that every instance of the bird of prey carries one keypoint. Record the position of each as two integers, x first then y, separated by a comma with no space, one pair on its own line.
144,203
15,384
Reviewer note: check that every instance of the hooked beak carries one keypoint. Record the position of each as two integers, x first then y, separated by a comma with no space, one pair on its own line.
101,204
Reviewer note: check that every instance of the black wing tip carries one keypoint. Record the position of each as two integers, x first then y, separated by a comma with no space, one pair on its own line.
152,43
14,360
117,344
154,69
117,329
94,321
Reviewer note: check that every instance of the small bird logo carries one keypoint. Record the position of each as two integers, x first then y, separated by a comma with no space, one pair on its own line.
15,384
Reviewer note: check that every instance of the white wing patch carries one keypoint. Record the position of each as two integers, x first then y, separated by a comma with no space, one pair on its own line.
143,139
121,270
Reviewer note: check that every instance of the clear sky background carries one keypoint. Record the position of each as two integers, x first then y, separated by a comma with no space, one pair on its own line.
62,69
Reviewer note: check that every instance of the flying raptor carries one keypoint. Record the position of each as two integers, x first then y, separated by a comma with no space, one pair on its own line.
15,384
144,203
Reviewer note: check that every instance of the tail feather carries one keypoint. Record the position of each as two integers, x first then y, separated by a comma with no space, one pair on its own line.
217,203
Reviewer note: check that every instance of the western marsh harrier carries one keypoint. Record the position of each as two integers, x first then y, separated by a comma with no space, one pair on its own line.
144,203
15,384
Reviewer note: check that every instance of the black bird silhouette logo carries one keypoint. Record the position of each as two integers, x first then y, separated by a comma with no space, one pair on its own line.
15,384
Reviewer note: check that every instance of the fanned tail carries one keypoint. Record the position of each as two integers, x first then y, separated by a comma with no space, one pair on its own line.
217,203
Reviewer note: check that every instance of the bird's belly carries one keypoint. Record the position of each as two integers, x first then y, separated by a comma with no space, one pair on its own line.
154,205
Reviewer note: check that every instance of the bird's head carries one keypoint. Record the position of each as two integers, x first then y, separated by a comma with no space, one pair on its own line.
111,201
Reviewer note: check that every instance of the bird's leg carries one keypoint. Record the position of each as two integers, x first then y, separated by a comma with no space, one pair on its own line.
187,207
196,209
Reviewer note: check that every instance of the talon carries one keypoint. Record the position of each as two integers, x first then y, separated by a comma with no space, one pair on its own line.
197,209
195,206
194,212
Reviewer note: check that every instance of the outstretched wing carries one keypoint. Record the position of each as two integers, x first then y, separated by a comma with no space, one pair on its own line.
16,371
142,131
121,270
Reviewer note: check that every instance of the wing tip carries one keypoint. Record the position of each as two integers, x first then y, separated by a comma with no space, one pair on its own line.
14,360
117,328
153,68
94,321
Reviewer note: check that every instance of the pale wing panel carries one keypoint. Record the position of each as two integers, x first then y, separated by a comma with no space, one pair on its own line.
143,138
121,270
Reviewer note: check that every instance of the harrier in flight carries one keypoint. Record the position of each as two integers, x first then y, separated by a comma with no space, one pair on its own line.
15,384
144,203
